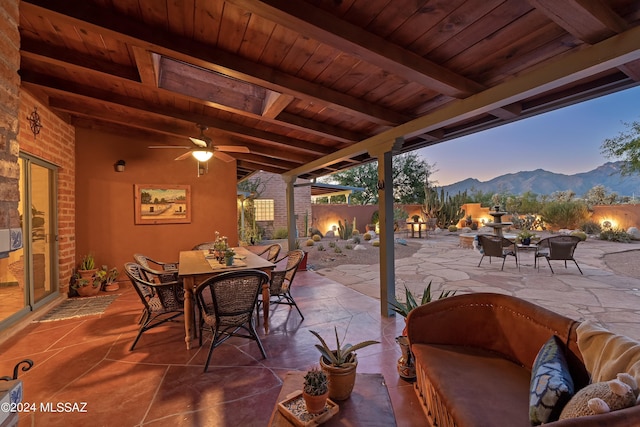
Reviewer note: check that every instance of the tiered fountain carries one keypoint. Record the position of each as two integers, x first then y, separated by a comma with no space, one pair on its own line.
497,223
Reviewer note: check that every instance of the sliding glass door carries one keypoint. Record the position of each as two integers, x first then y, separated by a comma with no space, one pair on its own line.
29,276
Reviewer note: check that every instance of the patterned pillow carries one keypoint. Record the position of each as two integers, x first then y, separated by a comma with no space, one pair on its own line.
551,383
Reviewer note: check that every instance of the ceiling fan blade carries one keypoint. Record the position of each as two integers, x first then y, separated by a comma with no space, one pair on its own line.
184,156
222,156
169,146
232,148
200,142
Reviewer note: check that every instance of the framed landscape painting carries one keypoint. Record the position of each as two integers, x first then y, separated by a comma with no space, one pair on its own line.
162,204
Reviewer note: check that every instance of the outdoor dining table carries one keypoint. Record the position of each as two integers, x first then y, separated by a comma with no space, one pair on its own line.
197,266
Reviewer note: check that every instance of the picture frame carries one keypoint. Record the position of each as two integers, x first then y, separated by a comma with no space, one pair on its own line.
162,204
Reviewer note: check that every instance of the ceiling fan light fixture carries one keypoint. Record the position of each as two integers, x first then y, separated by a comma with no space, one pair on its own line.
202,155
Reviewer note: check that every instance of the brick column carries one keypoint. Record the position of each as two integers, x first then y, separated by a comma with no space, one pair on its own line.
9,107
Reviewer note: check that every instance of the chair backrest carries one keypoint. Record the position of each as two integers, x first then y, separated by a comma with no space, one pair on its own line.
493,245
153,275
147,289
562,247
281,279
232,295
203,246
272,252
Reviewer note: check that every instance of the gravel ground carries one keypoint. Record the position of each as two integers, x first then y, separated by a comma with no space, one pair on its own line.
371,255
626,263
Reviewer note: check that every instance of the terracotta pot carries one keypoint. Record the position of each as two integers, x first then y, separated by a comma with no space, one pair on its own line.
303,263
315,404
341,380
87,274
88,291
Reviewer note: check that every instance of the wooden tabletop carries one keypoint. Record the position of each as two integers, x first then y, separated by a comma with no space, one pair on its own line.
194,262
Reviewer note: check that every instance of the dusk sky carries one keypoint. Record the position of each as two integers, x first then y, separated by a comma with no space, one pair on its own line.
565,141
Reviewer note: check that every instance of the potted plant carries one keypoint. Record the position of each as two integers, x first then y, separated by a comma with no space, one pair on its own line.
415,218
85,287
406,366
108,279
525,237
229,253
87,267
315,390
340,365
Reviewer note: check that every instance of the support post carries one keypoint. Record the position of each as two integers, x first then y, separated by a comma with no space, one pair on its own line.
385,208
291,214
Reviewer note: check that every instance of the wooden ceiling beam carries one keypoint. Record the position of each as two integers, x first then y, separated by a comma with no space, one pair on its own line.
72,88
328,29
50,55
275,103
102,20
631,69
244,164
590,61
588,20
148,64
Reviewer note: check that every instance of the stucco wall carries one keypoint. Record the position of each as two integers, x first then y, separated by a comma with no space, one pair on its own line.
105,199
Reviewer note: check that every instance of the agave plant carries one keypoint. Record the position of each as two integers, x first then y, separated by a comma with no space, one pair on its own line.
403,308
344,355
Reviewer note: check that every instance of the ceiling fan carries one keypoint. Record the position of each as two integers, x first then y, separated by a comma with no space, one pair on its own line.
204,149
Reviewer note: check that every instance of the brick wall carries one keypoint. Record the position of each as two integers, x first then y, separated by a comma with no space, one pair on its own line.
9,106
56,144
275,188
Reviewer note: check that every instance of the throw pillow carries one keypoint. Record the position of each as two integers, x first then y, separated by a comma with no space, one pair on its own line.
551,383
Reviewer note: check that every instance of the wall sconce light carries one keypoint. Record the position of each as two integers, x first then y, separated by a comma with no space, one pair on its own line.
203,168
120,165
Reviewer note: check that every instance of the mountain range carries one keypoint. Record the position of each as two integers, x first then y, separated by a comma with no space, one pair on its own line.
541,182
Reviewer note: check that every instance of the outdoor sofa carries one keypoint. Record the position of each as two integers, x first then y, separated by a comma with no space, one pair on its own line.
474,355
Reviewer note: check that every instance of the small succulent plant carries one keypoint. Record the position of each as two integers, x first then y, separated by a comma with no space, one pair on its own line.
316,382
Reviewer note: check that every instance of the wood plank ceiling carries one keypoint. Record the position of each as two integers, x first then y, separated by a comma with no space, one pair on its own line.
307,84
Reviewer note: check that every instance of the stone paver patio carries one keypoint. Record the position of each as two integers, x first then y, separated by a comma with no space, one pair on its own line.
601,294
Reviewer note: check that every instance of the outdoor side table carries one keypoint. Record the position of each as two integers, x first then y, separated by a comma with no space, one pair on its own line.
526,248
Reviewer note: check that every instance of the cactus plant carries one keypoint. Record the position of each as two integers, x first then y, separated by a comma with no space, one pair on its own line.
315,382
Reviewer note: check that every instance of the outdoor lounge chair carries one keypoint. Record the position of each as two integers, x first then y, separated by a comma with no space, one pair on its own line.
558,248
162,302
226,303
281,280
496,246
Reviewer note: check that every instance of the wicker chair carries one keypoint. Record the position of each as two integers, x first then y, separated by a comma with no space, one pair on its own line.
496,246
164,271
226,303
281,281
203,246
162,301
558,248
271,252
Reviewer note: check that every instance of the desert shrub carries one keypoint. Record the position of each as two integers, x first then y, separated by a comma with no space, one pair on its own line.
348,246
367,236
591,227
453,228
337,250
316,238
356,240
280,233
310,242
565,213
320,247
615,235
332,244
581,234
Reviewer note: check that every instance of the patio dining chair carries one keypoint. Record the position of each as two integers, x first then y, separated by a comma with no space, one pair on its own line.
164,271
203,246
558,248
281,281
271,252
226,304
496,246
162,302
